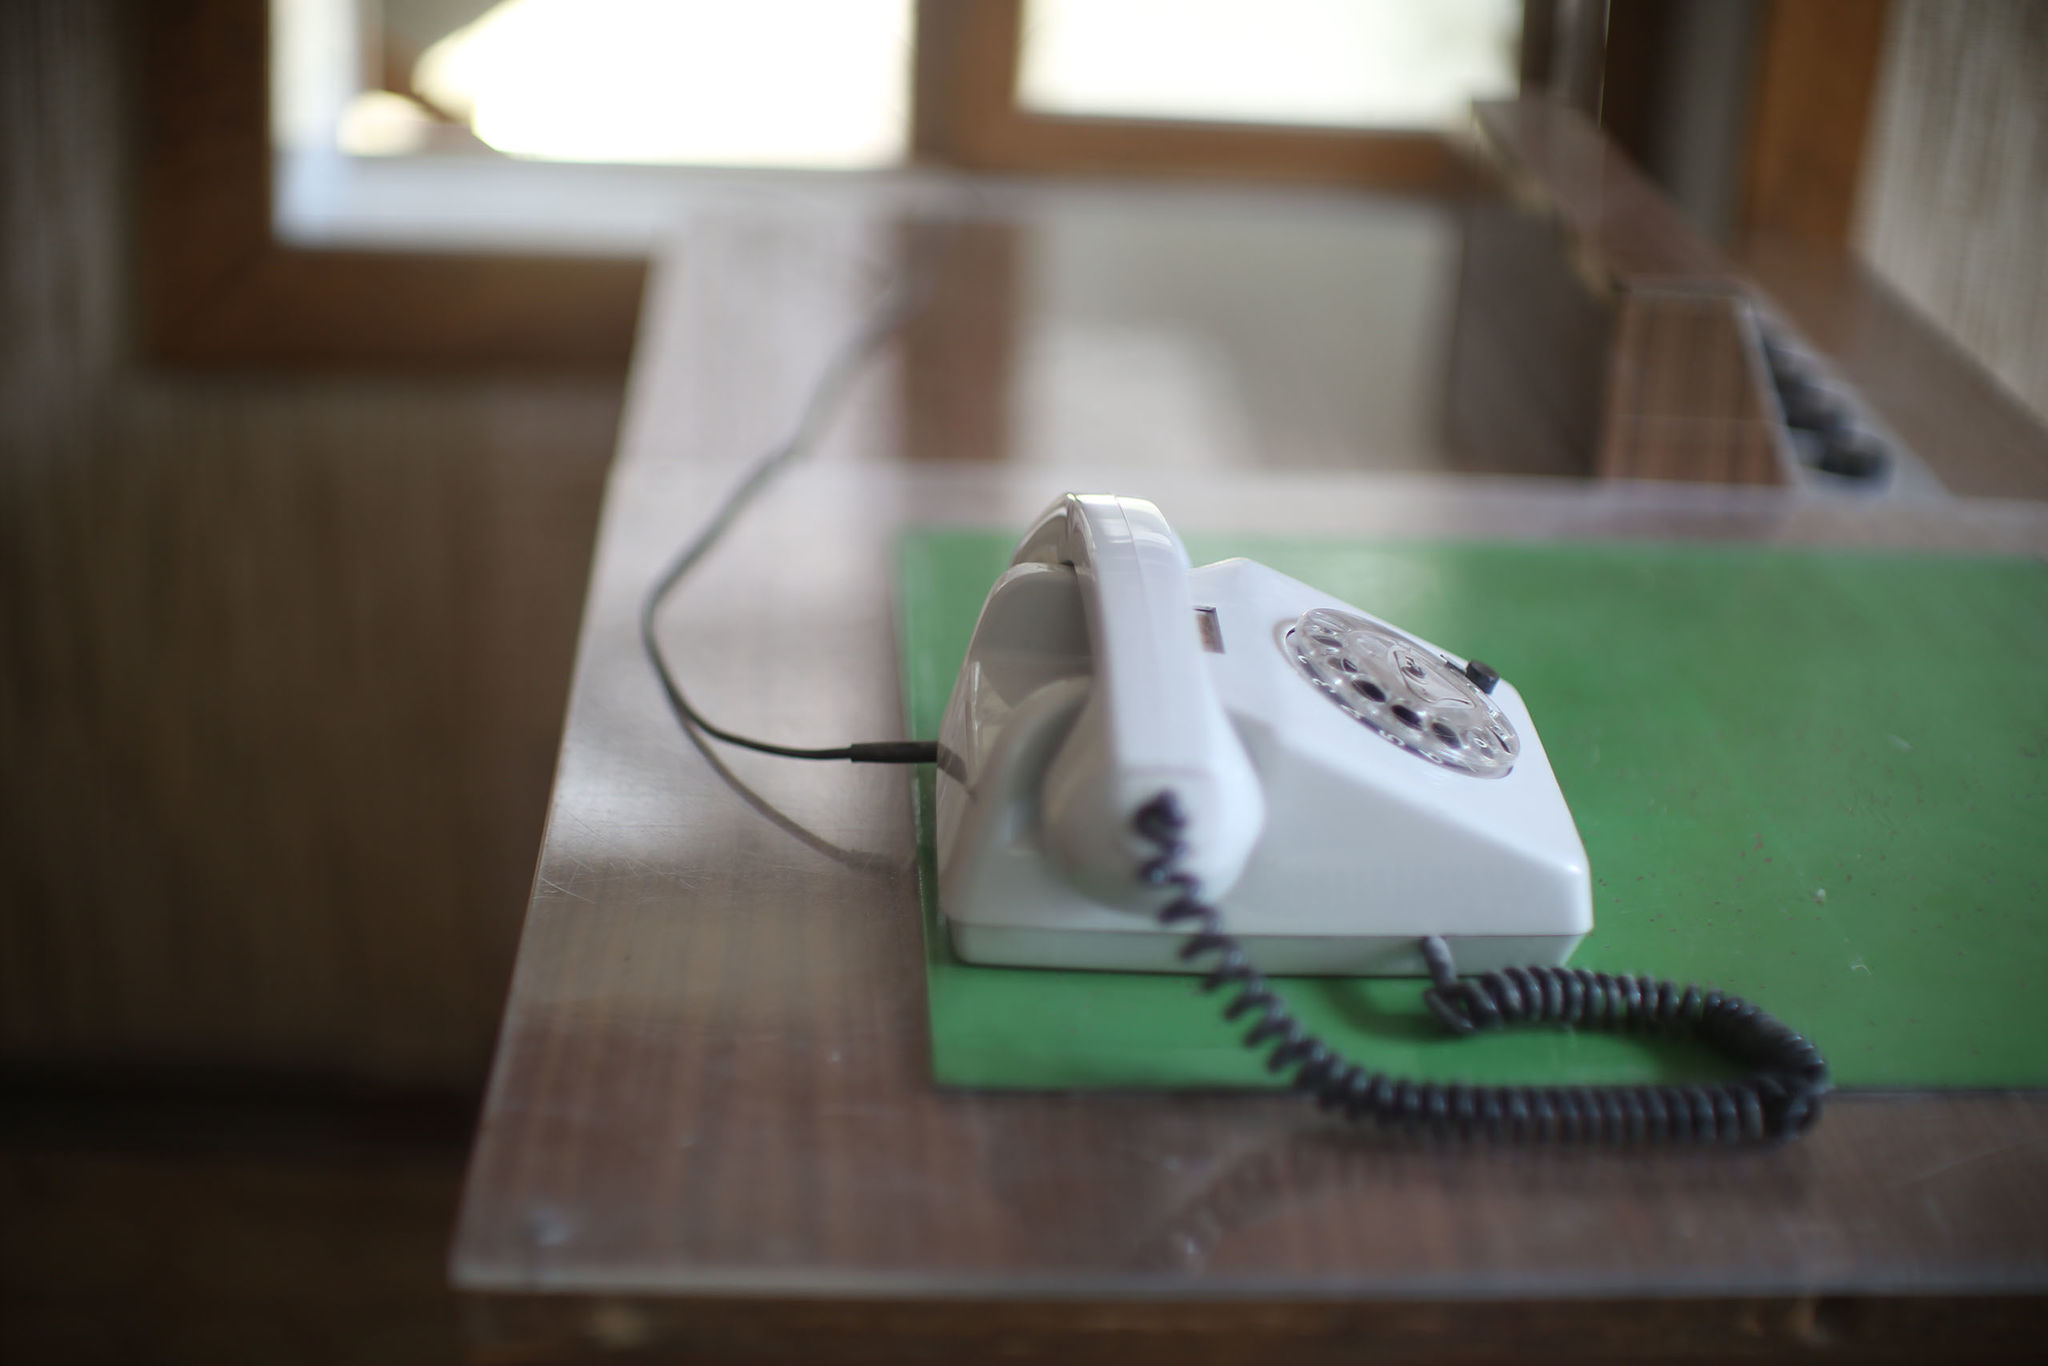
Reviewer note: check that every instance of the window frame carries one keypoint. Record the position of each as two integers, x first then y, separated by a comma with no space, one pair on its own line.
217,287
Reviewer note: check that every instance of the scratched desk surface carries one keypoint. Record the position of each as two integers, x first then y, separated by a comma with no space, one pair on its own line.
712,1119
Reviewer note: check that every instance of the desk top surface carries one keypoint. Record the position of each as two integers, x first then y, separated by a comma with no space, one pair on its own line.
713,1076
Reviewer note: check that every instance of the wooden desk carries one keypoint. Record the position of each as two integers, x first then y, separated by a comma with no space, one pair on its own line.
711,1132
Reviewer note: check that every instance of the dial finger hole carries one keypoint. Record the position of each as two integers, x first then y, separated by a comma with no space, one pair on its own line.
1405,692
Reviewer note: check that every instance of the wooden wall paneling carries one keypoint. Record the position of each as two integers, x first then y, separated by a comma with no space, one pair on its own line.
1957,178
281,745
282,659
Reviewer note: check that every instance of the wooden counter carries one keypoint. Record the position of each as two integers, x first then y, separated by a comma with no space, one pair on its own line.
712,1132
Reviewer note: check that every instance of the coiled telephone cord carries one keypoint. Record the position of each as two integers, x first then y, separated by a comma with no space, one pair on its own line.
1778,1098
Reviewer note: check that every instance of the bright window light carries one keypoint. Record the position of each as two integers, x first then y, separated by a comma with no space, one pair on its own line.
810,83
1333,63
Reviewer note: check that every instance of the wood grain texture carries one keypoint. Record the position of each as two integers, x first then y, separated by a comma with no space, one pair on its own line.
1686,393
1816,75
281,660
1957,178
711,1127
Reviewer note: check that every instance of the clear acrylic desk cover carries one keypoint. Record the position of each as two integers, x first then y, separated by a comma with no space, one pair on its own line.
716,1064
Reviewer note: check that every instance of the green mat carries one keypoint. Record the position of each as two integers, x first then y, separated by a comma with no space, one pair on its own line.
1817,779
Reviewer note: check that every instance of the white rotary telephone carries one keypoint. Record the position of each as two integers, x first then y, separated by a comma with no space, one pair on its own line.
1346,788
1147,766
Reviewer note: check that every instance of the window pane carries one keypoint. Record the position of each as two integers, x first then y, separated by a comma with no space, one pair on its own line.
1334,63
788,83
765,83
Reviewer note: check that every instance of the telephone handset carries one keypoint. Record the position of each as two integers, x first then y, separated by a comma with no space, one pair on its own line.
1151,720
1148,766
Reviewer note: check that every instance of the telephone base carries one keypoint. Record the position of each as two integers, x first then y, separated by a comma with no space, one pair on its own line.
1345,788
